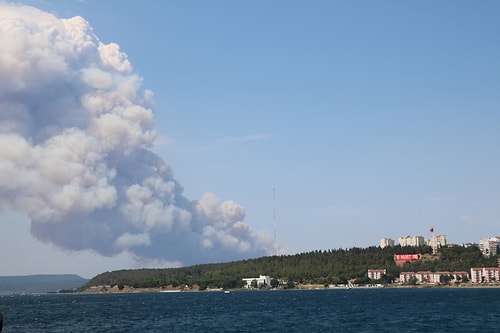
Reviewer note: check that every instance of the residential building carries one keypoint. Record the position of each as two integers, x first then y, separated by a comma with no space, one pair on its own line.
488,246
485,275
436,242
262,280
415,241
386,242
376,274
453,276
462,276
424,277
406,277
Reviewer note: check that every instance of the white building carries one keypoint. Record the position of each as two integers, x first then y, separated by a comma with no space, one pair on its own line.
376,274
406,277
485,275
262,280
420,277
415,241
436,242
386,242
454,276
488,246
424,277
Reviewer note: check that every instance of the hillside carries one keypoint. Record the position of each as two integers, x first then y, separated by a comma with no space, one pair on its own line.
40,283
318,267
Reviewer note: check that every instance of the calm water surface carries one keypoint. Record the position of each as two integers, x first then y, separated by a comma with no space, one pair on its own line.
365,310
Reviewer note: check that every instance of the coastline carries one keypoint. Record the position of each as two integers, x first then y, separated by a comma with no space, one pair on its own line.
170,289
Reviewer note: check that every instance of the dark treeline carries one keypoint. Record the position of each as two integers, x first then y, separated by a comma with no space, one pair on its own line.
319,267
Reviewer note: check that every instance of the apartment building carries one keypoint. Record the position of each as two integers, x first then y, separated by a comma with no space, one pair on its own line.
437,241
415,241
485,275
488,246
376,274
425,277
386,242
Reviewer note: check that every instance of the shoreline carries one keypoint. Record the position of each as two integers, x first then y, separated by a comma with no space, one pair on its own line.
171,289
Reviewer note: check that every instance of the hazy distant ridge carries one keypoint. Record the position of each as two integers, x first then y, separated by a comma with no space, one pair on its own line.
39,283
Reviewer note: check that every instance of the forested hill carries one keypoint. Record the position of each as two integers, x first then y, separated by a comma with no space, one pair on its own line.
323,267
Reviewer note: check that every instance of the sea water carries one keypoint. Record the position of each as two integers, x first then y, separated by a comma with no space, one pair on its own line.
354,310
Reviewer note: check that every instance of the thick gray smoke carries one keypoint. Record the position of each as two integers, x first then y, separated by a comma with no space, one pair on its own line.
75,134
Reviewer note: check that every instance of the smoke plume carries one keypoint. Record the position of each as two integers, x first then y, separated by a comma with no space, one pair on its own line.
76,130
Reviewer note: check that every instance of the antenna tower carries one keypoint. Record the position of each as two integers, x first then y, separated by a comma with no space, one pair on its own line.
274,217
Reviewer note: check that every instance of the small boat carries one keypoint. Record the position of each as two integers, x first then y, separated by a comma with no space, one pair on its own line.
227,291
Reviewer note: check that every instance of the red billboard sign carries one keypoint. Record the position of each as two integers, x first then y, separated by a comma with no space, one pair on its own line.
407,257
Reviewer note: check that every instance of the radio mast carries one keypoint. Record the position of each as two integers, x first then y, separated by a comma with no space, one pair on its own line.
274,218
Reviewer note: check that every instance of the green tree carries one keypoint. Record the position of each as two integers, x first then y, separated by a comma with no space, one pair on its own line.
445,278
413,280
362,280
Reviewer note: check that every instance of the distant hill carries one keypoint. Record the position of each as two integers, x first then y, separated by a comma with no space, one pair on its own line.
40,283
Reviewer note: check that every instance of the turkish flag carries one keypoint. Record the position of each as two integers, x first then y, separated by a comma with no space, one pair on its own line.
431,229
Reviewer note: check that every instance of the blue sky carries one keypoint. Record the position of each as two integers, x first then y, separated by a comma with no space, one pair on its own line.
370,119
